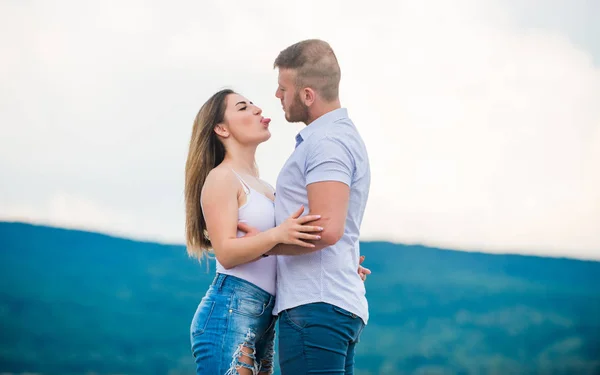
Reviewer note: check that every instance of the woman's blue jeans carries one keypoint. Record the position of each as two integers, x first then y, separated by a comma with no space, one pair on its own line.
233,328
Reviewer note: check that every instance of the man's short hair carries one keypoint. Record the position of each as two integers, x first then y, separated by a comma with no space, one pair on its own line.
315,64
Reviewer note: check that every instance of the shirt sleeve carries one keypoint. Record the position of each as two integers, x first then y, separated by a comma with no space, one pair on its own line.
329,160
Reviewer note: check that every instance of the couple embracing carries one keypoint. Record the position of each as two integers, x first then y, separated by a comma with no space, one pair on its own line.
275,262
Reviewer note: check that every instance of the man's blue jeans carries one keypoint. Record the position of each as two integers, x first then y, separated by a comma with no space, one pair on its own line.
318,338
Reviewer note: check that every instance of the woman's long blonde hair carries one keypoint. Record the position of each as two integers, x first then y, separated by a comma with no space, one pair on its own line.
206,152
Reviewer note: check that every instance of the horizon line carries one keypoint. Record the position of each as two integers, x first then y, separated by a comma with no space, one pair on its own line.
126,237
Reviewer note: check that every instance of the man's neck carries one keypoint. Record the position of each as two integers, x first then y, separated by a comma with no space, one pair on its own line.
322,109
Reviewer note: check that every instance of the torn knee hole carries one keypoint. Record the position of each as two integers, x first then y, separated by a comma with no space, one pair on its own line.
244,361
246,355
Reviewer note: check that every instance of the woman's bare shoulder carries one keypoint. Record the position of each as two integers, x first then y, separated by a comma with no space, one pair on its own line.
221,179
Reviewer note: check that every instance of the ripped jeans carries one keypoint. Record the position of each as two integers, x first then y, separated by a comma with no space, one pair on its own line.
233,329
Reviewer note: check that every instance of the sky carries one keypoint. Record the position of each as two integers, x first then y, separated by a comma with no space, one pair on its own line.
481,119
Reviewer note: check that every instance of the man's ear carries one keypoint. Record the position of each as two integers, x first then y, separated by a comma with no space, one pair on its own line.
221,130
308,96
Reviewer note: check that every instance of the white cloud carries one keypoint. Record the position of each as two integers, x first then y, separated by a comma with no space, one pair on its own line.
483,133
77,212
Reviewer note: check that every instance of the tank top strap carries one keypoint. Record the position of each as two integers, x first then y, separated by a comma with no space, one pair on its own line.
244,184
268,185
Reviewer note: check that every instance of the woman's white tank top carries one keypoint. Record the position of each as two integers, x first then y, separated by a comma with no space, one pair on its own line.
257,212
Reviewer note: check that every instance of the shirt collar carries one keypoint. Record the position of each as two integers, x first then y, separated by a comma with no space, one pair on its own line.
328,118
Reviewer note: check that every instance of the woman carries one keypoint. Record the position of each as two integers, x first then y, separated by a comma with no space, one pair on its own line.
233,328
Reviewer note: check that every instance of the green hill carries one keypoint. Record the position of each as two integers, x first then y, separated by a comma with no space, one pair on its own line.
74,302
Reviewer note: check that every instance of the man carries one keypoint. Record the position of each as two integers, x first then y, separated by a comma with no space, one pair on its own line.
320,297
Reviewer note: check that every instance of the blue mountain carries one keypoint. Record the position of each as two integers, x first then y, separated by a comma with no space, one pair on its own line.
75,302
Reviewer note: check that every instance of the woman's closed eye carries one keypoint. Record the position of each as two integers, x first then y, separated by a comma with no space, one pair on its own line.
243,105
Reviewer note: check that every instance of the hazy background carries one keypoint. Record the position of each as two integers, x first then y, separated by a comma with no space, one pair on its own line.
482,118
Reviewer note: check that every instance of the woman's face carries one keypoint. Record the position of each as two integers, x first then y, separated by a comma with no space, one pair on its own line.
244,121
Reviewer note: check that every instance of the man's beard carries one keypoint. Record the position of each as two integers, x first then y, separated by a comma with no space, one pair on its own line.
298,112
